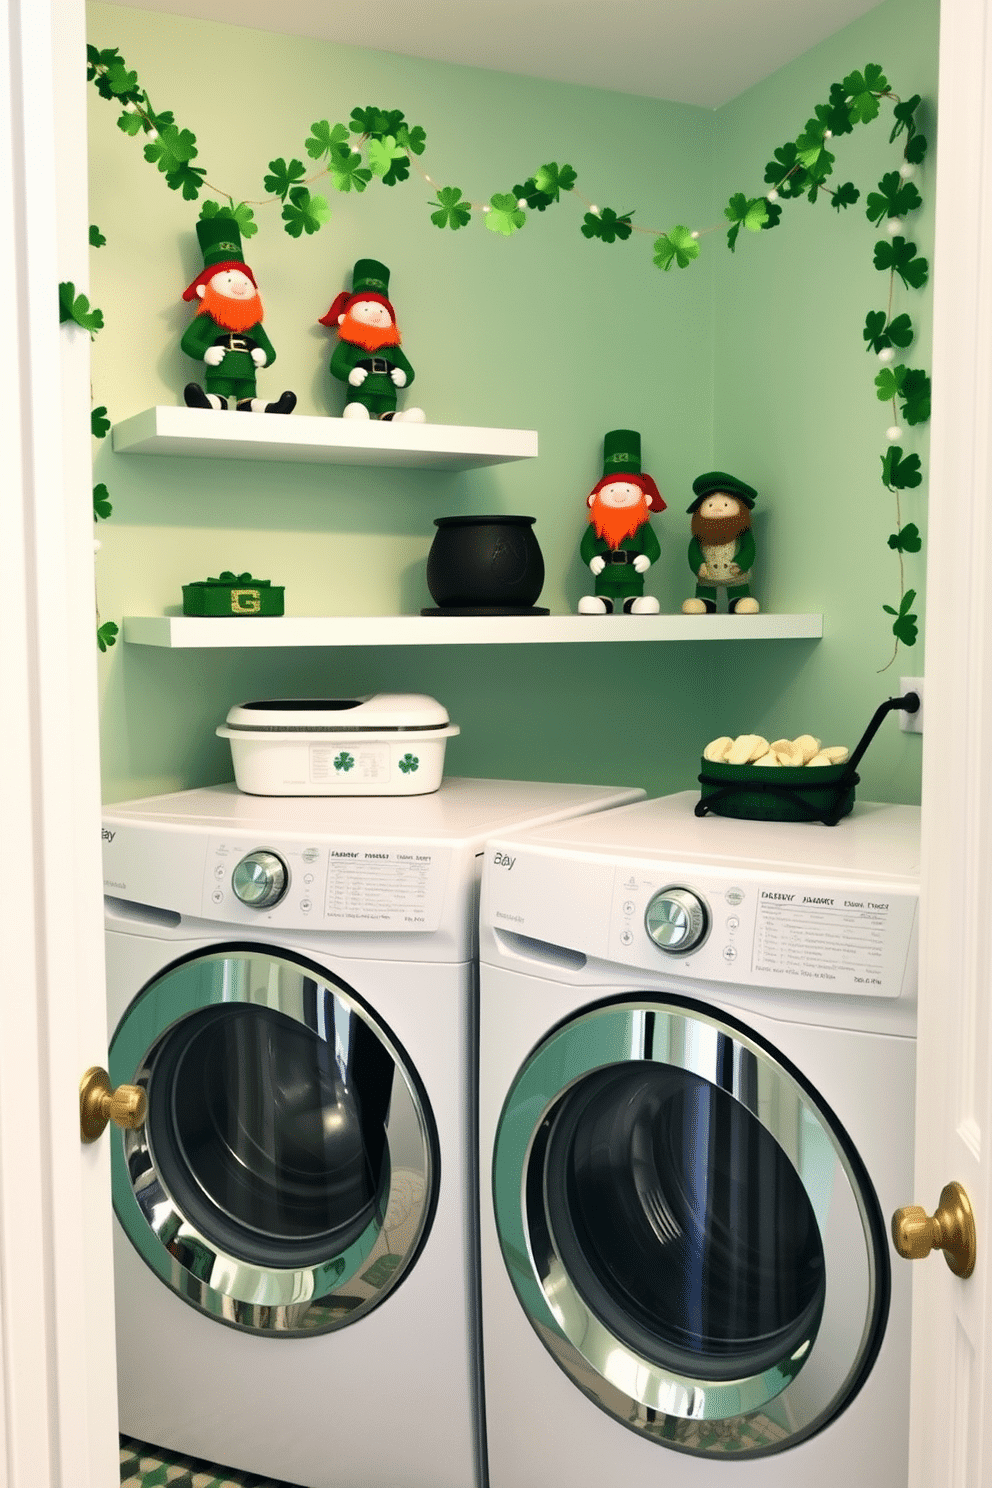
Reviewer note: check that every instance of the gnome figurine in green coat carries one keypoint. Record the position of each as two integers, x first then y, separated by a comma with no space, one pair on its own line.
226,332
721,553
619,545
367,358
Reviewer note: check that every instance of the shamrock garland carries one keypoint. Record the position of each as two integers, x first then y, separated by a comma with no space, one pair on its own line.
380,144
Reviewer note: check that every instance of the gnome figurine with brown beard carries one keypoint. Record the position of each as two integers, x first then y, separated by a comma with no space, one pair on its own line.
226,332
619,545
721,553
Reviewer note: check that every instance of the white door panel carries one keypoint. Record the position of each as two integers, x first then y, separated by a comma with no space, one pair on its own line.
58,1413
952,1321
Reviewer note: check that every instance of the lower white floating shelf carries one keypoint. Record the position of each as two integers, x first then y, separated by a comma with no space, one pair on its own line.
184,631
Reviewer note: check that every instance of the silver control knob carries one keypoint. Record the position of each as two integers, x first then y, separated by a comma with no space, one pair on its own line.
676,920
260,879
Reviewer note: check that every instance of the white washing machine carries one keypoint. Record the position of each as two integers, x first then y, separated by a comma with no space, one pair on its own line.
293,983
696,1115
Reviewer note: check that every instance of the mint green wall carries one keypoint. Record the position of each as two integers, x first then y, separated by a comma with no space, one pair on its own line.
796,411
544,331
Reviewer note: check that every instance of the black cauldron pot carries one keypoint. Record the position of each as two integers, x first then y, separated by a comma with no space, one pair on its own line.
485,566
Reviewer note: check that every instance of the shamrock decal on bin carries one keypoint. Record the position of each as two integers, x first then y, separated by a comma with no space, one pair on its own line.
409,763
344,760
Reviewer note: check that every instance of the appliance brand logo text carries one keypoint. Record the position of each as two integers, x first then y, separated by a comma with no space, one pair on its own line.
503,860
107,834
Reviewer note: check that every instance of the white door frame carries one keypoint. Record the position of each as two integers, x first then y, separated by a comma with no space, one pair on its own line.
58,1403
950,1424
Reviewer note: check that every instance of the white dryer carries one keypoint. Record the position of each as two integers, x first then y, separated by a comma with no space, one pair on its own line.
293,983
696,1113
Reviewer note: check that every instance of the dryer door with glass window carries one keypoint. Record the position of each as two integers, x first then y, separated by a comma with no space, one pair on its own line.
689,1229
285,1176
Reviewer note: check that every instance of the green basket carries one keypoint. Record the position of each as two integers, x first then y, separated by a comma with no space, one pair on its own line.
782,793
777,792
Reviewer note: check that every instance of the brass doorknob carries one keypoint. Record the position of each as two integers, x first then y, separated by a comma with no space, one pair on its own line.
950,1229
100,1103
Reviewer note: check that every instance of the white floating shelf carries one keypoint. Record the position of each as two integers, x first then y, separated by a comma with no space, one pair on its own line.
182,631
312,440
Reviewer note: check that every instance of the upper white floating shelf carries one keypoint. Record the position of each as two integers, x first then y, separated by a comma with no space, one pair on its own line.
451,630
313,440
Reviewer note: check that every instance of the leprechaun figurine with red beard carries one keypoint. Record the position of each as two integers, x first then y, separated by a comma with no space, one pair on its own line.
619,545
721,553
226,332
367,358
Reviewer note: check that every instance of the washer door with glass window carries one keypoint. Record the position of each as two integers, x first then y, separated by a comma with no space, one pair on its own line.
285,1176
689,1229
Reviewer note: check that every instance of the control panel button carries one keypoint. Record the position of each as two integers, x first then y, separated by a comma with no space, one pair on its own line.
676,920
260,879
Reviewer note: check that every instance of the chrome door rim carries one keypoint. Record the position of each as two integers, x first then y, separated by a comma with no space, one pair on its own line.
808,1388
277,1301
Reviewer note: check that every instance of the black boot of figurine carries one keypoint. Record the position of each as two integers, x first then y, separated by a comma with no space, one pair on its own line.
195,397
285,404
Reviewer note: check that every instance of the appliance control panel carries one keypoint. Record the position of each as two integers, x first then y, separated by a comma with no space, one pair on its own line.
284,882
822,936
850,936
345,887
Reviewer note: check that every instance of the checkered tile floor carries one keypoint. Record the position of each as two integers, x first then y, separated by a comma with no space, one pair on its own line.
144,1466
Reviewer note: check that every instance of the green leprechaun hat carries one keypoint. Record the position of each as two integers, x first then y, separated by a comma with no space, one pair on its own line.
718,480
220,240
370,276
622,452
220,243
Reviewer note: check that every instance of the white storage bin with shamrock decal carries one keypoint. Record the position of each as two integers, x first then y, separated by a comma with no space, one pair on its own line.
385,744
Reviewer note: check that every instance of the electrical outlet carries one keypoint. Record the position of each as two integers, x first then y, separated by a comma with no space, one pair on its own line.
911,723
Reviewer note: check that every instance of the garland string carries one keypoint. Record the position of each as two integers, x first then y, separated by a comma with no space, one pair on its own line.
381,143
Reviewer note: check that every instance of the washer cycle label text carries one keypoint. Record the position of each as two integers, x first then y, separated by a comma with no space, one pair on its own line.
843,943
385,888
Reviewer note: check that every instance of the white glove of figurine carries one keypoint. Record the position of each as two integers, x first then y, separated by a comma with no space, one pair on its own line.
357,376
258,356
214,355
642,563
596,565
397,376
